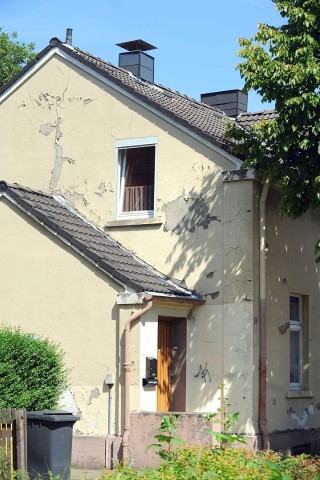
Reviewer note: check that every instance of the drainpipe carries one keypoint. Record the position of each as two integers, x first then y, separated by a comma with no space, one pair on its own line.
127,370
263,326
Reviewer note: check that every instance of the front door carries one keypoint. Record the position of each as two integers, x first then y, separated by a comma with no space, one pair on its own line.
171,390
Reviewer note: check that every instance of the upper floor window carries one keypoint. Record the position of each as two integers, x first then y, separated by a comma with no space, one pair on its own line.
136,177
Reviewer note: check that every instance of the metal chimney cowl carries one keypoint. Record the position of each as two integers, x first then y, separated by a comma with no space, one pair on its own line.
136,61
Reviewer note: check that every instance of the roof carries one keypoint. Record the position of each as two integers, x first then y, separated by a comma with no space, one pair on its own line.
207,121
248,119
101,250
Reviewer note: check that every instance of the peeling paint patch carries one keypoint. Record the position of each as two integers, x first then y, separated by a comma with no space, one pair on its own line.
185,215
213,295
210,274
69,160
46,100
67,402
47,128
101,189
83,100
303,418
94,394
283,328
71,197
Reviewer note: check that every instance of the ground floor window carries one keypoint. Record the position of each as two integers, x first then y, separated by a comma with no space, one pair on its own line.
298,342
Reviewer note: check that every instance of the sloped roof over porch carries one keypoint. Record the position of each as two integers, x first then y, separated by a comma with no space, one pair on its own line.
56,216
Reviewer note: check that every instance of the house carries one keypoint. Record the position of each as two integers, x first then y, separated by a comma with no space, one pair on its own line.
131,236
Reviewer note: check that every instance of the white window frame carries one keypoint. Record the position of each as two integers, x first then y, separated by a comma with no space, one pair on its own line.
121,146
296,326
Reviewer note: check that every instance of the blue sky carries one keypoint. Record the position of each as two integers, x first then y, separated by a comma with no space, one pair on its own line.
196,41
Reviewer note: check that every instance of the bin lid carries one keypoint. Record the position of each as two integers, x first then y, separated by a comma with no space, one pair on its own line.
52,416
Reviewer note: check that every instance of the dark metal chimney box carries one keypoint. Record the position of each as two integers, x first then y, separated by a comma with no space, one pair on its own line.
232,102
136,61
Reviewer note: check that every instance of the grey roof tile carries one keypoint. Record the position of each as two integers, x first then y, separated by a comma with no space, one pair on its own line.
250,118
98,247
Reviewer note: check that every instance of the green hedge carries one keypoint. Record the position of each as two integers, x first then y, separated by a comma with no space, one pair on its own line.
32,371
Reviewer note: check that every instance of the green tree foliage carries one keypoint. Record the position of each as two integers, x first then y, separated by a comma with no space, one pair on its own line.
14,55
283,65
32,371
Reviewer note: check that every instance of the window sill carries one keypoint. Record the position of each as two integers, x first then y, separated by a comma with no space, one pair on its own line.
133,222
299,394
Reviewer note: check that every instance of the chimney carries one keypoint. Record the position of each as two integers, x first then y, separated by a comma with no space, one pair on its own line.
136,60
232,102
69,36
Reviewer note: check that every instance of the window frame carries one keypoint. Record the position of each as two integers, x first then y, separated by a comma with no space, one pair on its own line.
297,326
120,147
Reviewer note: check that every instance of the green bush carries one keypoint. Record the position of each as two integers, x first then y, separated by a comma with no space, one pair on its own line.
32,371
225,464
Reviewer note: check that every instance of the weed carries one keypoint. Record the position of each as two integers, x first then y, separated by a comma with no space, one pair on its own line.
166,437
226,421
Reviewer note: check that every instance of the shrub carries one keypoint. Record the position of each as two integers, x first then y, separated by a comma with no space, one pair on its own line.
225,464
32,371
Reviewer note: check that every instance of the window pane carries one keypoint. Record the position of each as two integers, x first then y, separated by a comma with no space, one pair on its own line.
139,179
294,309
295,356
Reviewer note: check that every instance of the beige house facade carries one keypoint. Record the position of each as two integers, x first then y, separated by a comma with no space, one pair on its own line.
130,236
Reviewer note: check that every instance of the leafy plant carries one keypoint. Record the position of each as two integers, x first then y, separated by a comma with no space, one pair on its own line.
204,463
275,473
32,371
4,465
166,437
13,55
281,63
226,420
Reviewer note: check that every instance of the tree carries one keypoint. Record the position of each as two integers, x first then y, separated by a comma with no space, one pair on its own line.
283,65
14,55
32,371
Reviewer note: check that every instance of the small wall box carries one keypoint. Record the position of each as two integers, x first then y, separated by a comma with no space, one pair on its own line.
151,367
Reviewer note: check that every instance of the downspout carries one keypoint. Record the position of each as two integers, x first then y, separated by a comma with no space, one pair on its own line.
263,324
127,370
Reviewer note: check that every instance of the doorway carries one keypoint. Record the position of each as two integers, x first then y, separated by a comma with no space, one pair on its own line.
172,339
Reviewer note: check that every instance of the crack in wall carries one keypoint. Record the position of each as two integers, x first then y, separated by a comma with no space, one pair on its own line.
237,214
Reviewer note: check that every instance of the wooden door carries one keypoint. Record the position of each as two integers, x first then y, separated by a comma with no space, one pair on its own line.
171,389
